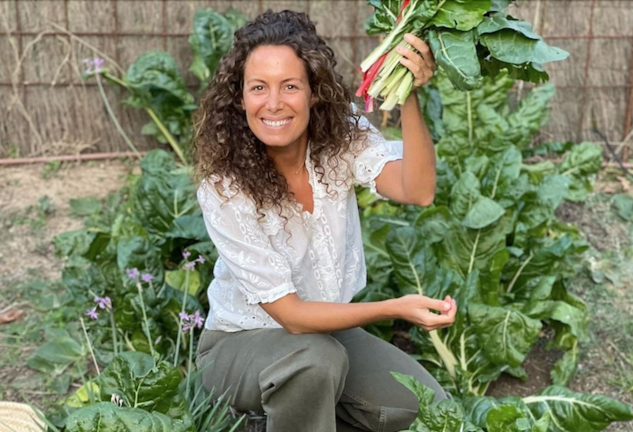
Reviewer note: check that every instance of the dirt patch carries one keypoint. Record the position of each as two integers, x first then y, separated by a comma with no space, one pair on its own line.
21,187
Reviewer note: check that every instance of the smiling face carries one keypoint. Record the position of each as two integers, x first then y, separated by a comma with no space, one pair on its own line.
277,96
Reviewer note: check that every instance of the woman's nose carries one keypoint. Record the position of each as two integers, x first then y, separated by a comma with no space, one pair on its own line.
274,101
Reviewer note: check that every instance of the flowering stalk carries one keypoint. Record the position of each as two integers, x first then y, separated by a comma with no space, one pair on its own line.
182,311
97,63
115,341
182,323
94,360
106,304
190,359
145,320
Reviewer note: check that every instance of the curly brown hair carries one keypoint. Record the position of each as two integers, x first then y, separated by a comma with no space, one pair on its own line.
225,145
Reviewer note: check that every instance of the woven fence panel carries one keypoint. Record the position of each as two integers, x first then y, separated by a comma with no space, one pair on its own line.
46,107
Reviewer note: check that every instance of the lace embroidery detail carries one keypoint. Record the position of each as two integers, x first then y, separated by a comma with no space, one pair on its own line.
323,259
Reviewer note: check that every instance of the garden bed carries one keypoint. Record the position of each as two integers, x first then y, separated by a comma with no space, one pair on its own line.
29,222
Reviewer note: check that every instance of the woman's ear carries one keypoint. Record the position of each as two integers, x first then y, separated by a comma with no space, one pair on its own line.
313,100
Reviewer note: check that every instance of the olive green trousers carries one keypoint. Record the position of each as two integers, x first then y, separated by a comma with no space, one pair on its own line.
335,382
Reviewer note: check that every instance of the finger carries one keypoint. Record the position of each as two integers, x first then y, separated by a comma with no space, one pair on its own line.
423,48
420,77
411,55
414,67
438,305
438,320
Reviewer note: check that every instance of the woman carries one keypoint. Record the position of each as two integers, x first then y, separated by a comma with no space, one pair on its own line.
279,148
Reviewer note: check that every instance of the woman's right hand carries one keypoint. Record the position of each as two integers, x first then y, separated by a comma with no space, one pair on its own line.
417,310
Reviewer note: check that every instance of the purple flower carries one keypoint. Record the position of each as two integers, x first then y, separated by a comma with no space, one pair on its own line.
92,313
147,277
103,302
96,62
200,259
186,327
132,273
186,254
183,316
197,319
189,265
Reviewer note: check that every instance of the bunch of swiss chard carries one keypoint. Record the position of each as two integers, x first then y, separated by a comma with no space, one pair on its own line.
469,40
491,240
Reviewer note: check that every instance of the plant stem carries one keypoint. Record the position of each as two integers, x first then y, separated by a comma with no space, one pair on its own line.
168,136
149,336
462,345
472,255
83,326
182,309
516,276
113,117
190,359
445,353
115,341
469,111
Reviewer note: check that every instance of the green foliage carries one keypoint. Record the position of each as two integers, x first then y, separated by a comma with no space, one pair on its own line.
155,83
491,240
135,392
211,39
555,409
147,226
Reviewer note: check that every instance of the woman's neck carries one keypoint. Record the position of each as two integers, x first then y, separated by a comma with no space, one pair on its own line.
289,160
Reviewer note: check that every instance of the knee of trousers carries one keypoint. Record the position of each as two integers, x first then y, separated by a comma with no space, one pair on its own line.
318,362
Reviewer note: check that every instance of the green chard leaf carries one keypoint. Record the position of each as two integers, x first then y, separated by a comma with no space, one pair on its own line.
455,53
571,411
461,15
505,335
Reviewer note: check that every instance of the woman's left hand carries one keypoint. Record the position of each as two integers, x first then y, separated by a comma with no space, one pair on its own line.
422,65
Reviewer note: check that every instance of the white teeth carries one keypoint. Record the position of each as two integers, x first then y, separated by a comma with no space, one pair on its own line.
276,123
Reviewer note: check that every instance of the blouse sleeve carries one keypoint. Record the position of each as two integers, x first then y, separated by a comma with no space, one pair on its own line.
262,274
374,153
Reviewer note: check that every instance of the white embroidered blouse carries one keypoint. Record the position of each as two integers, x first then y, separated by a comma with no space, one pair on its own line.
323,259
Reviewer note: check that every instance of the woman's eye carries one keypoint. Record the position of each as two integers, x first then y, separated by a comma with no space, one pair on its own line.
293,86
258,87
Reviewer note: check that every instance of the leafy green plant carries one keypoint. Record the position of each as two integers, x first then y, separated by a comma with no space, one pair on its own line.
135,390
491,240
555,409
155,84
469,40
147,226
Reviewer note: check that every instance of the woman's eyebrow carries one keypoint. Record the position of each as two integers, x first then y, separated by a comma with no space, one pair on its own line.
283,81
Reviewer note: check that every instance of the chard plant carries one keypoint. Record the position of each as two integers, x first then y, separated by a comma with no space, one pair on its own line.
469,40
491,240
156,85
555,409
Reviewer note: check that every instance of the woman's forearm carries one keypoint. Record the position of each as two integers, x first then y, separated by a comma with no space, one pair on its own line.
418,162
326,317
